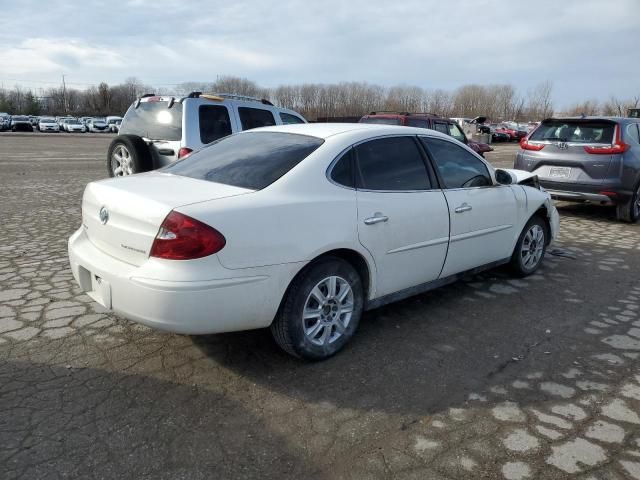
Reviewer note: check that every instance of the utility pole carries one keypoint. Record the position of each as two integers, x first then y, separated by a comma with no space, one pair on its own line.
64,95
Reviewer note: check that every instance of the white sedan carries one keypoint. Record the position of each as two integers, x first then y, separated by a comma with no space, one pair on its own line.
302,228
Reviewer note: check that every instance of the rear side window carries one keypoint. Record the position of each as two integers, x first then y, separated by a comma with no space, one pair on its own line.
255,117
153,120
342,171
633,133
457,167
214,123
576,131
251,160
417,122
289,119
392,163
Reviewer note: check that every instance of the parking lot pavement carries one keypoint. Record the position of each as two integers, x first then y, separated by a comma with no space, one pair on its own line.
493,377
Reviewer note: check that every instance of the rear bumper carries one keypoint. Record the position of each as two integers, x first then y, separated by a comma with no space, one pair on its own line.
236,300
576,192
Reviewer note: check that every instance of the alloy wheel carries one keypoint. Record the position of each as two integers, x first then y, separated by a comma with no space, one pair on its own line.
532,247
328,310
121,162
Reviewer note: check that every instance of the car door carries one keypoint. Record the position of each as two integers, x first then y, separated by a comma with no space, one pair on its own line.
403,219
483,214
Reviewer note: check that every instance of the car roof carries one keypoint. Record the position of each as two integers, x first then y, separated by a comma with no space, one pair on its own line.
326,130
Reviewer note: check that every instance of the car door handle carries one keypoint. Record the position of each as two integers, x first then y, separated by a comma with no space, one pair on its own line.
463,208
377,218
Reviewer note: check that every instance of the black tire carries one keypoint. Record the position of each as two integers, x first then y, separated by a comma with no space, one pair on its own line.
288,328
139,155
630,210
521,264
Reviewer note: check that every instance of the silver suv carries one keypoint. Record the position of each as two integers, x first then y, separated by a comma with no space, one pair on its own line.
587,159
158,130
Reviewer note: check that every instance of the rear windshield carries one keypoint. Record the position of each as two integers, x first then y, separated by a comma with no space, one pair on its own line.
577,131
381,120
251,160
154,120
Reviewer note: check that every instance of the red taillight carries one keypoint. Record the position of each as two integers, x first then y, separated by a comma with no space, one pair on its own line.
618,146
525,145
184,152
184,238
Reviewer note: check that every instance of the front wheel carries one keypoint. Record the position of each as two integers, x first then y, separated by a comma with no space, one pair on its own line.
321,310
530,247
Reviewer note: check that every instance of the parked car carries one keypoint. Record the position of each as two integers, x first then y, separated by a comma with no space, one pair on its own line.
34,120
5,121
498,134
112,121
73,126
448,126
61,121
157,130
48,124
21,123
302,228
97,125
587,159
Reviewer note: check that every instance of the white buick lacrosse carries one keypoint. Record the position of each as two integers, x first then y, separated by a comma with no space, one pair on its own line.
302,228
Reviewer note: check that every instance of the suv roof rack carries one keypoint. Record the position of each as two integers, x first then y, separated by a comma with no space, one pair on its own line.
391,112
148,95
231,96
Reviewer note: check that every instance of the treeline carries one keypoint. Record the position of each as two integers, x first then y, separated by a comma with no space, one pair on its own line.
316,100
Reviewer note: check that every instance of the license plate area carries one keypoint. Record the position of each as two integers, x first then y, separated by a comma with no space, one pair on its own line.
560,172
95,286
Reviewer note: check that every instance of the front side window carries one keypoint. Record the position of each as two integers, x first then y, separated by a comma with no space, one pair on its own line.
214,123
458,168
252,160
255,117
288,119
455,132
441,127
392,163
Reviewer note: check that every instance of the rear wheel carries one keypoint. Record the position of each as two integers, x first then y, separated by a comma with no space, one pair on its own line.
630,210
530,248
321,310
128,154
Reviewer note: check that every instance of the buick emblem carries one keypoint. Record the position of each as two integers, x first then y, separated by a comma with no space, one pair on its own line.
104,215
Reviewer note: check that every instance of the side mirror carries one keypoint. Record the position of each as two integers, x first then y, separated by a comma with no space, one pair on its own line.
504,177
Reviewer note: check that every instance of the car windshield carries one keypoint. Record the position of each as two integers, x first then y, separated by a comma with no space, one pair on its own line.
252,160
47,120
154,120
575,131
72,122
381,120
21,119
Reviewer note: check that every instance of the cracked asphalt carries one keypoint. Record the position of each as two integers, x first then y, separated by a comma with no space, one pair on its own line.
492,377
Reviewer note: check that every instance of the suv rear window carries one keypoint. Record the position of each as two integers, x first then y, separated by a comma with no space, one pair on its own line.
577,131
251,160
153,120
381,120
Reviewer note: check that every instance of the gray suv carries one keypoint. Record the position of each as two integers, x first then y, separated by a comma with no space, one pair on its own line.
587,159
158,130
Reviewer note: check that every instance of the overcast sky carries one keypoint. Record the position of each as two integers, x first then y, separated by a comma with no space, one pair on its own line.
587,48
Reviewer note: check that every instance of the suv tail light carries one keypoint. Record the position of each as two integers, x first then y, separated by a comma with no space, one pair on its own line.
525,145
184,238
184,152
618,146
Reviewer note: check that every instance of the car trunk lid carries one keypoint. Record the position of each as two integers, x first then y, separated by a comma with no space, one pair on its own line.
122,216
